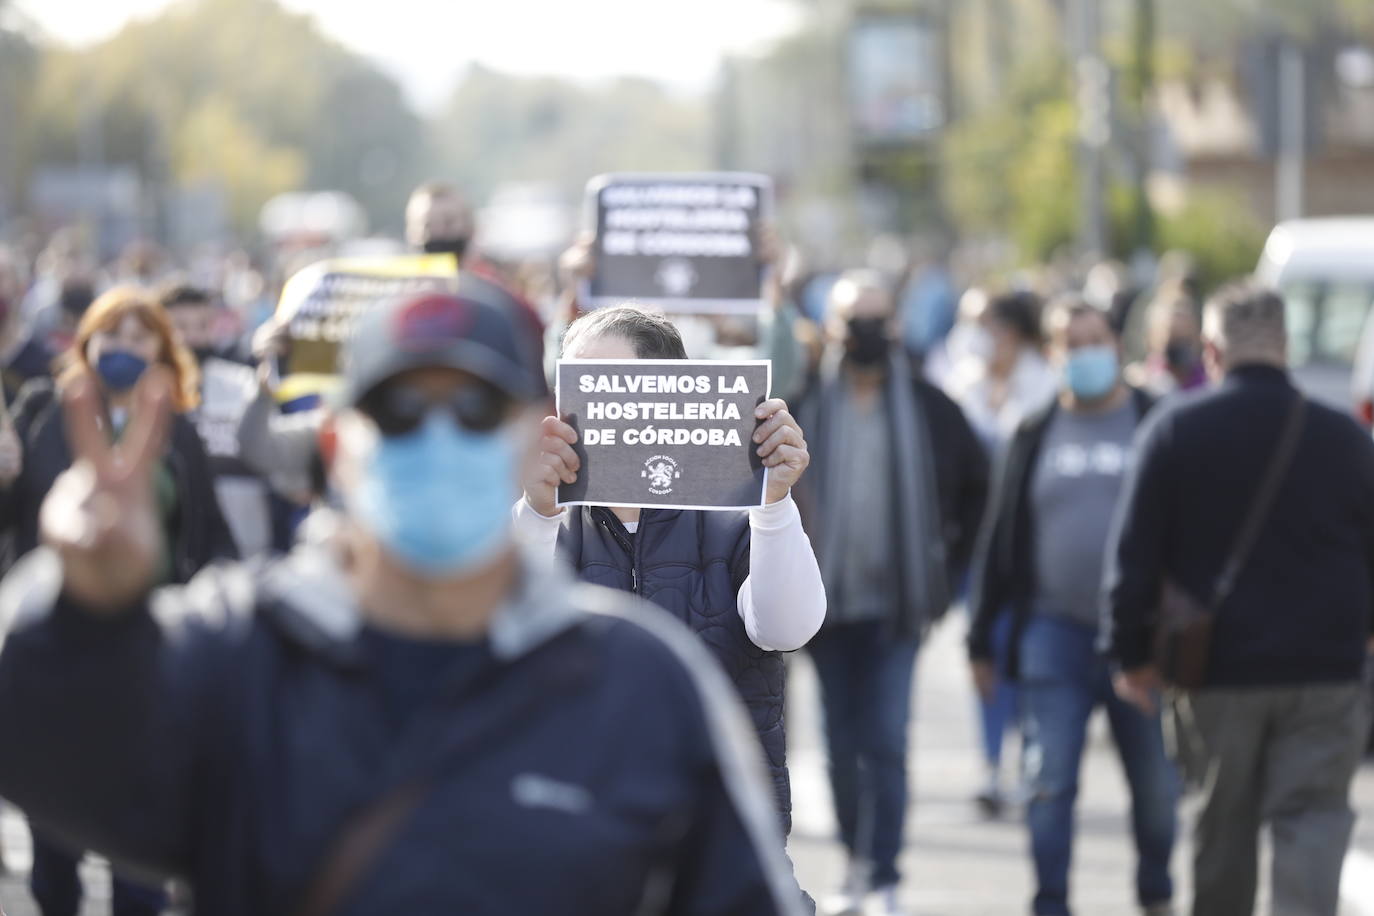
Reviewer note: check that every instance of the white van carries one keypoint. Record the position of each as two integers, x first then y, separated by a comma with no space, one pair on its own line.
1325,270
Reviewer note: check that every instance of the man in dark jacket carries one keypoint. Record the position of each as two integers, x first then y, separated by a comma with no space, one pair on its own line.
227,385
1274,735
22,356
1040,559
892,503
415,719
440,220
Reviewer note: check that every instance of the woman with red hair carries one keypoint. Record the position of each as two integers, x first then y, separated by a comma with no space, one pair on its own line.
122,335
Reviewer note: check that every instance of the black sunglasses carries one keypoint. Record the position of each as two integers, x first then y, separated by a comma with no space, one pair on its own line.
398,408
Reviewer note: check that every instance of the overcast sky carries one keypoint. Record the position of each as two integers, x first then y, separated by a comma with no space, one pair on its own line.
427,44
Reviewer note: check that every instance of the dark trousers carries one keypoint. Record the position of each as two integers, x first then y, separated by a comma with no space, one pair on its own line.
1282,757
865,677
56,885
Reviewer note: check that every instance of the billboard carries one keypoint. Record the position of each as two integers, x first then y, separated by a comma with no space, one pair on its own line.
896,78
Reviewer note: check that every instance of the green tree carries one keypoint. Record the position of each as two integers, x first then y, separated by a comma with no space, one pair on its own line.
499,127
213,143
18,62
210,86
1010,168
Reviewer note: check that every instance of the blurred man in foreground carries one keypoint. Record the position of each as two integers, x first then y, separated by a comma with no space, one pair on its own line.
412,717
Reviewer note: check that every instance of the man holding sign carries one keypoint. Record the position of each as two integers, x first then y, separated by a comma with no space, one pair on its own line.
744,579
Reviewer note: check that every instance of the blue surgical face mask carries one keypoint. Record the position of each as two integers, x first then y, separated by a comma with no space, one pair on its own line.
1091,372
119,369
439,498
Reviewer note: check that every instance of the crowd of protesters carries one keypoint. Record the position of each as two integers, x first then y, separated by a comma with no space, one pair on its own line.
403,698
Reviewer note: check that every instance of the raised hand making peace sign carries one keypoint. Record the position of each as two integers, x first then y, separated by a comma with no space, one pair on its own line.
101,514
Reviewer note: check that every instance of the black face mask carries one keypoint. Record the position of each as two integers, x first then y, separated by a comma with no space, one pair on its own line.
1180,354
455,247
868,341
76,298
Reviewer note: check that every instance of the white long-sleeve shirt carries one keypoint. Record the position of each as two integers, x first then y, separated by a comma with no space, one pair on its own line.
782,601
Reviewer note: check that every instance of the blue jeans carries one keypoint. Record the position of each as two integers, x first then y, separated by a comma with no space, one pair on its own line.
56,885
999,712
1063,680
865,676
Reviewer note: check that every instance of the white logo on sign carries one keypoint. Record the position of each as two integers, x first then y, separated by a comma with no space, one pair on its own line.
660,471
676,276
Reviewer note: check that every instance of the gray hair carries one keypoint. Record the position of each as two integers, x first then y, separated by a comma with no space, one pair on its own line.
435,188
1246,322
650,334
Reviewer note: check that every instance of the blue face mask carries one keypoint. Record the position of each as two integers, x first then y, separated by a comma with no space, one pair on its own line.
1091,372
439,498
120,369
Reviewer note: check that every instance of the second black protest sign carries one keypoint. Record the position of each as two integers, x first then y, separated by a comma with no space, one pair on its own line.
681,242
664,433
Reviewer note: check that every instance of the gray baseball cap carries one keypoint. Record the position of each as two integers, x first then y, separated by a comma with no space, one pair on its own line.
478,328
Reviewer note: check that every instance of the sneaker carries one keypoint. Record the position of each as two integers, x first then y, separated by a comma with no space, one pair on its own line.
883,902
849,899
842,903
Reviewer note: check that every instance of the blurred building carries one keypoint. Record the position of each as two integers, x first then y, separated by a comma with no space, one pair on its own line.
1222,133
846,115
110,202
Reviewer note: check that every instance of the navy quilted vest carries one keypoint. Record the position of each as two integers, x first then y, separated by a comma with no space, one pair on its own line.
691,564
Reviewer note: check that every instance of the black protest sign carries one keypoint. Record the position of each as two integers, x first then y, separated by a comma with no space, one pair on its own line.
684,243
664,433
226,389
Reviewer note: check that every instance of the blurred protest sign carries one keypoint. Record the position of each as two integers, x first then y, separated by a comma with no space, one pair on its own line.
683,242
320,303
664,433
226,389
